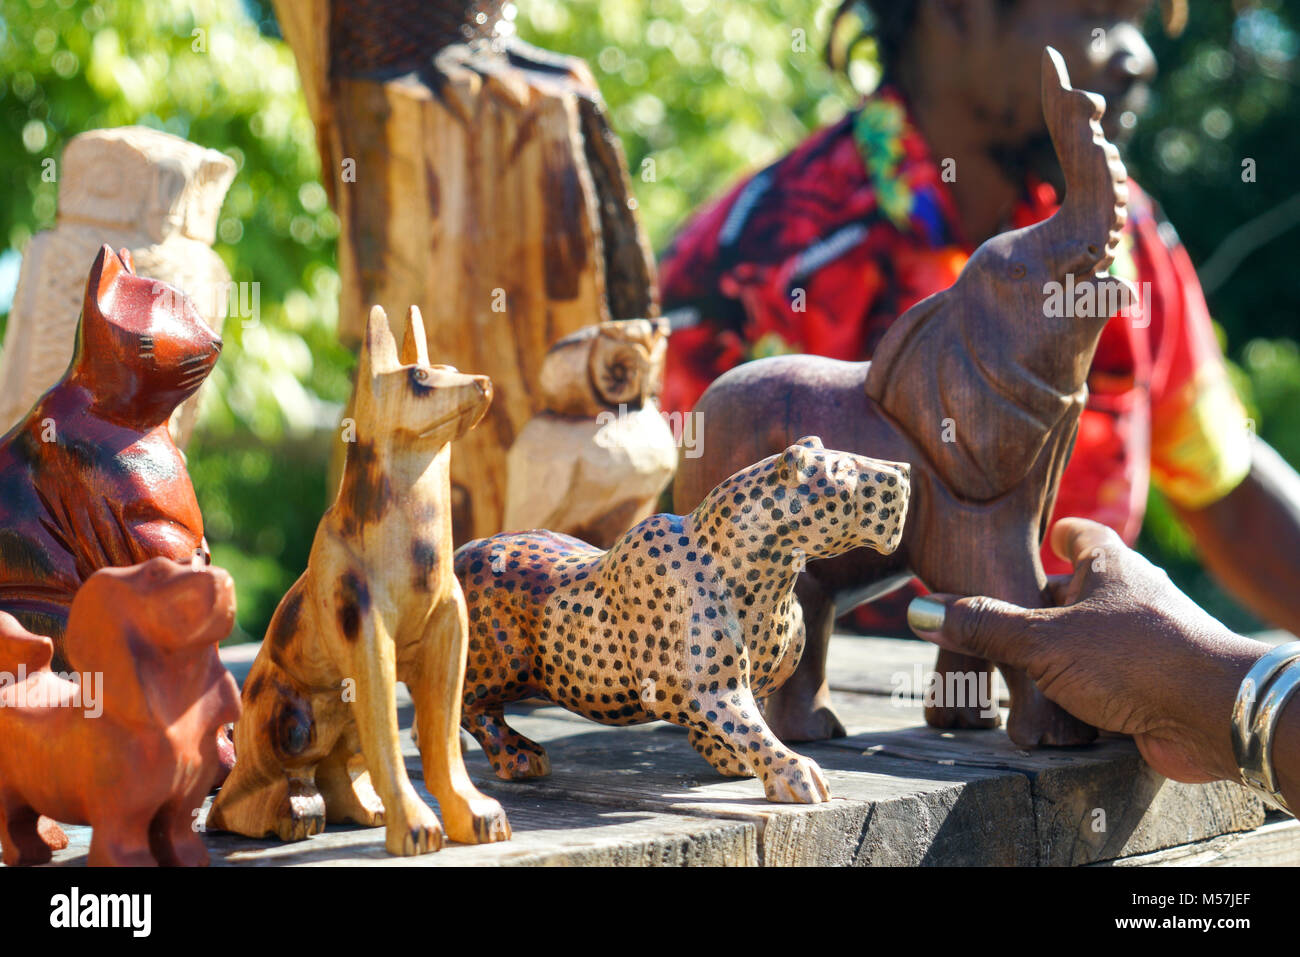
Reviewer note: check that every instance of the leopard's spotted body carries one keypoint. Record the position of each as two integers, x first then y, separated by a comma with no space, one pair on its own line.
686,619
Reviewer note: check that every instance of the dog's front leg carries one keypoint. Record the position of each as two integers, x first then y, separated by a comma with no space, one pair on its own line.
410,826
434,670
120,838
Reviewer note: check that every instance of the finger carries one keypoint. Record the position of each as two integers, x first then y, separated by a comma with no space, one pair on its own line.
979,626
1058,588
1080,540
1063,590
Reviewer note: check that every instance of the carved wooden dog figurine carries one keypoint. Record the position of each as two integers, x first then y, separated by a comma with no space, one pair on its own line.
90,477
686,619
147,637
377,603
985,357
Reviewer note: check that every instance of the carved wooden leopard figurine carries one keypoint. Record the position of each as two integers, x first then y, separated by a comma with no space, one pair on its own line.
686,619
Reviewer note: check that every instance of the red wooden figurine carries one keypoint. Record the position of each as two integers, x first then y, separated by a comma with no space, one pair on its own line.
128,745
91,478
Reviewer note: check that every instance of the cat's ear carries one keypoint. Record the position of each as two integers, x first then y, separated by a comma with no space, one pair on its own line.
415,346
104,274
379,351
128,260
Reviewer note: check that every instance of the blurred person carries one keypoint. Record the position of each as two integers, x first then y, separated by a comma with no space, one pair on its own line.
1128,652
823,249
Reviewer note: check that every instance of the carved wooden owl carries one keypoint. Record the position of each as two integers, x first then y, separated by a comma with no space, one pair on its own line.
595,460
604,366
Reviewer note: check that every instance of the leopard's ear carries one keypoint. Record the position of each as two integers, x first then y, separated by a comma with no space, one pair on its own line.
798,458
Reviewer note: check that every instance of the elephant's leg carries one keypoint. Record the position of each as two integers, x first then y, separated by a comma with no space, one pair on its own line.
951,705
800,710
1036,722
1010,571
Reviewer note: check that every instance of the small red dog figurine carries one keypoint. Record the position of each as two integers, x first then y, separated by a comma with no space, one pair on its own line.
128,743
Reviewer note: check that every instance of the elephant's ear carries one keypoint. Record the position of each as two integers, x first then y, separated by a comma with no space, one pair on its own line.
891,361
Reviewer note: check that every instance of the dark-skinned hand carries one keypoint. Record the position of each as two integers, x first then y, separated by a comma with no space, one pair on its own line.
1125,650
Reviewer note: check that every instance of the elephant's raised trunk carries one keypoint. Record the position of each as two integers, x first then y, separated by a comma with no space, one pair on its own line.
1002,356
1080,239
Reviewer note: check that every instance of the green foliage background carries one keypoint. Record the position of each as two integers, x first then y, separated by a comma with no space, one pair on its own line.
700,91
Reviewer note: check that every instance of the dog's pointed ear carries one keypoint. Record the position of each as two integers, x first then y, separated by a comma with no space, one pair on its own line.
379,350
415,345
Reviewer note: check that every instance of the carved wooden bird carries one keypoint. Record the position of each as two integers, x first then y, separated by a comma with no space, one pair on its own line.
593,462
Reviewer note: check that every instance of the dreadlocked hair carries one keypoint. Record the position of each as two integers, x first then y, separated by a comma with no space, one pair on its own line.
889,22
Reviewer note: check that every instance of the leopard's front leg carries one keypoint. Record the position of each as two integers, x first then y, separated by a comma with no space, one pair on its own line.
512,756
731,715
788,778
719,752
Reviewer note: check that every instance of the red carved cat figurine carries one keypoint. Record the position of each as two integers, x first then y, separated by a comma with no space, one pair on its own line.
91,477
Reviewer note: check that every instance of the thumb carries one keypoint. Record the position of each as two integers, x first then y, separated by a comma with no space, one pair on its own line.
978,626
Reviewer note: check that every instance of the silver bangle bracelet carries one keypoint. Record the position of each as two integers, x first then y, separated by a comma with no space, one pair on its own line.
1263,694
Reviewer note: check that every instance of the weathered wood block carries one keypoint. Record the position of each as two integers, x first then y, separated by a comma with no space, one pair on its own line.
1088,805
550,833
1274,844
884,812
640,795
